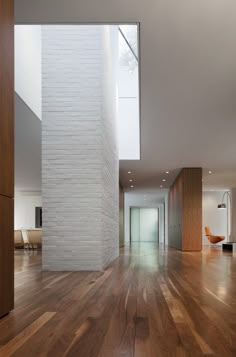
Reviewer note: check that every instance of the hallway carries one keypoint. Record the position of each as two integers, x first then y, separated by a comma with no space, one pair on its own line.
149,302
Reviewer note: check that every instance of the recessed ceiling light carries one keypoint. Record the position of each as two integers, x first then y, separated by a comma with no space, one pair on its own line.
164,180
167,172
129,172
132,186
161,186
210,172
130,180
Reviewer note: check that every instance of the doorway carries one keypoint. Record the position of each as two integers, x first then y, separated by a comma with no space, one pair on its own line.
144,224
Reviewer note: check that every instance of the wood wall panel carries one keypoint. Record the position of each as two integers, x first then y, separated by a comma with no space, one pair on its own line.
192,210
185,210
6,255
7,98
6,156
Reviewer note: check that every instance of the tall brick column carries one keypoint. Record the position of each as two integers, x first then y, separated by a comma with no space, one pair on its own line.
79,149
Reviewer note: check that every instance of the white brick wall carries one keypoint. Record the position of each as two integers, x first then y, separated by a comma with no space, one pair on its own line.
79,150
110,169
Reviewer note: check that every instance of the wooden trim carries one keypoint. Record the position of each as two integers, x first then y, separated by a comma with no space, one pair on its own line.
6,255
192,210
6,156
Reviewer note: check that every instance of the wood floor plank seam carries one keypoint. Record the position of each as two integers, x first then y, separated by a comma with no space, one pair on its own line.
18,341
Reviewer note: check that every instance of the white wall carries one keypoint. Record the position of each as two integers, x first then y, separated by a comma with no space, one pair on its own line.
213,217
110,162
79,150
166,218
28,68
128,115
27,148
24,209
161,224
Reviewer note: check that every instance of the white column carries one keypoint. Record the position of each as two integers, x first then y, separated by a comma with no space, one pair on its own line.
79,151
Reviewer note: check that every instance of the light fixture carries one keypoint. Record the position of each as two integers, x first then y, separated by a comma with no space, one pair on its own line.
210,172
221,206
167,172
164,180
131,186
161,186
129,172
130,180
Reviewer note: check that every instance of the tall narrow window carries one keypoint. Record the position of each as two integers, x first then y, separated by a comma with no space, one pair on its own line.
128,92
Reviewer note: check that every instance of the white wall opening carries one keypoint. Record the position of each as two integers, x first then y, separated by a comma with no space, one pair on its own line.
28,80
33,88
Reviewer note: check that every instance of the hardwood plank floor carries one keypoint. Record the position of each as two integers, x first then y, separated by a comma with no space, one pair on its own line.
150,302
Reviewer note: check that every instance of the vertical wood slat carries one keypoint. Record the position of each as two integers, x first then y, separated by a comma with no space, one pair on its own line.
192,210
6,255
185,210
7,98
6,156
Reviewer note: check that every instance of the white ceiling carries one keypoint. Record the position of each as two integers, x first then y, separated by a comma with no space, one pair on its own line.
219,180
188,95
188,80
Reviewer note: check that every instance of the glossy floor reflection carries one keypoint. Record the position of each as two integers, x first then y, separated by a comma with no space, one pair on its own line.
150,302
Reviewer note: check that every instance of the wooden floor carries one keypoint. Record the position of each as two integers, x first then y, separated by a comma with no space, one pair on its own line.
149,302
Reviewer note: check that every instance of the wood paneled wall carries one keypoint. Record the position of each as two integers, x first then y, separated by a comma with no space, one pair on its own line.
185,210
6,156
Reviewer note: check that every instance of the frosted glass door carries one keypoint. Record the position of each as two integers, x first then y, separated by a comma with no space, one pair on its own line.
144,224
148,224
